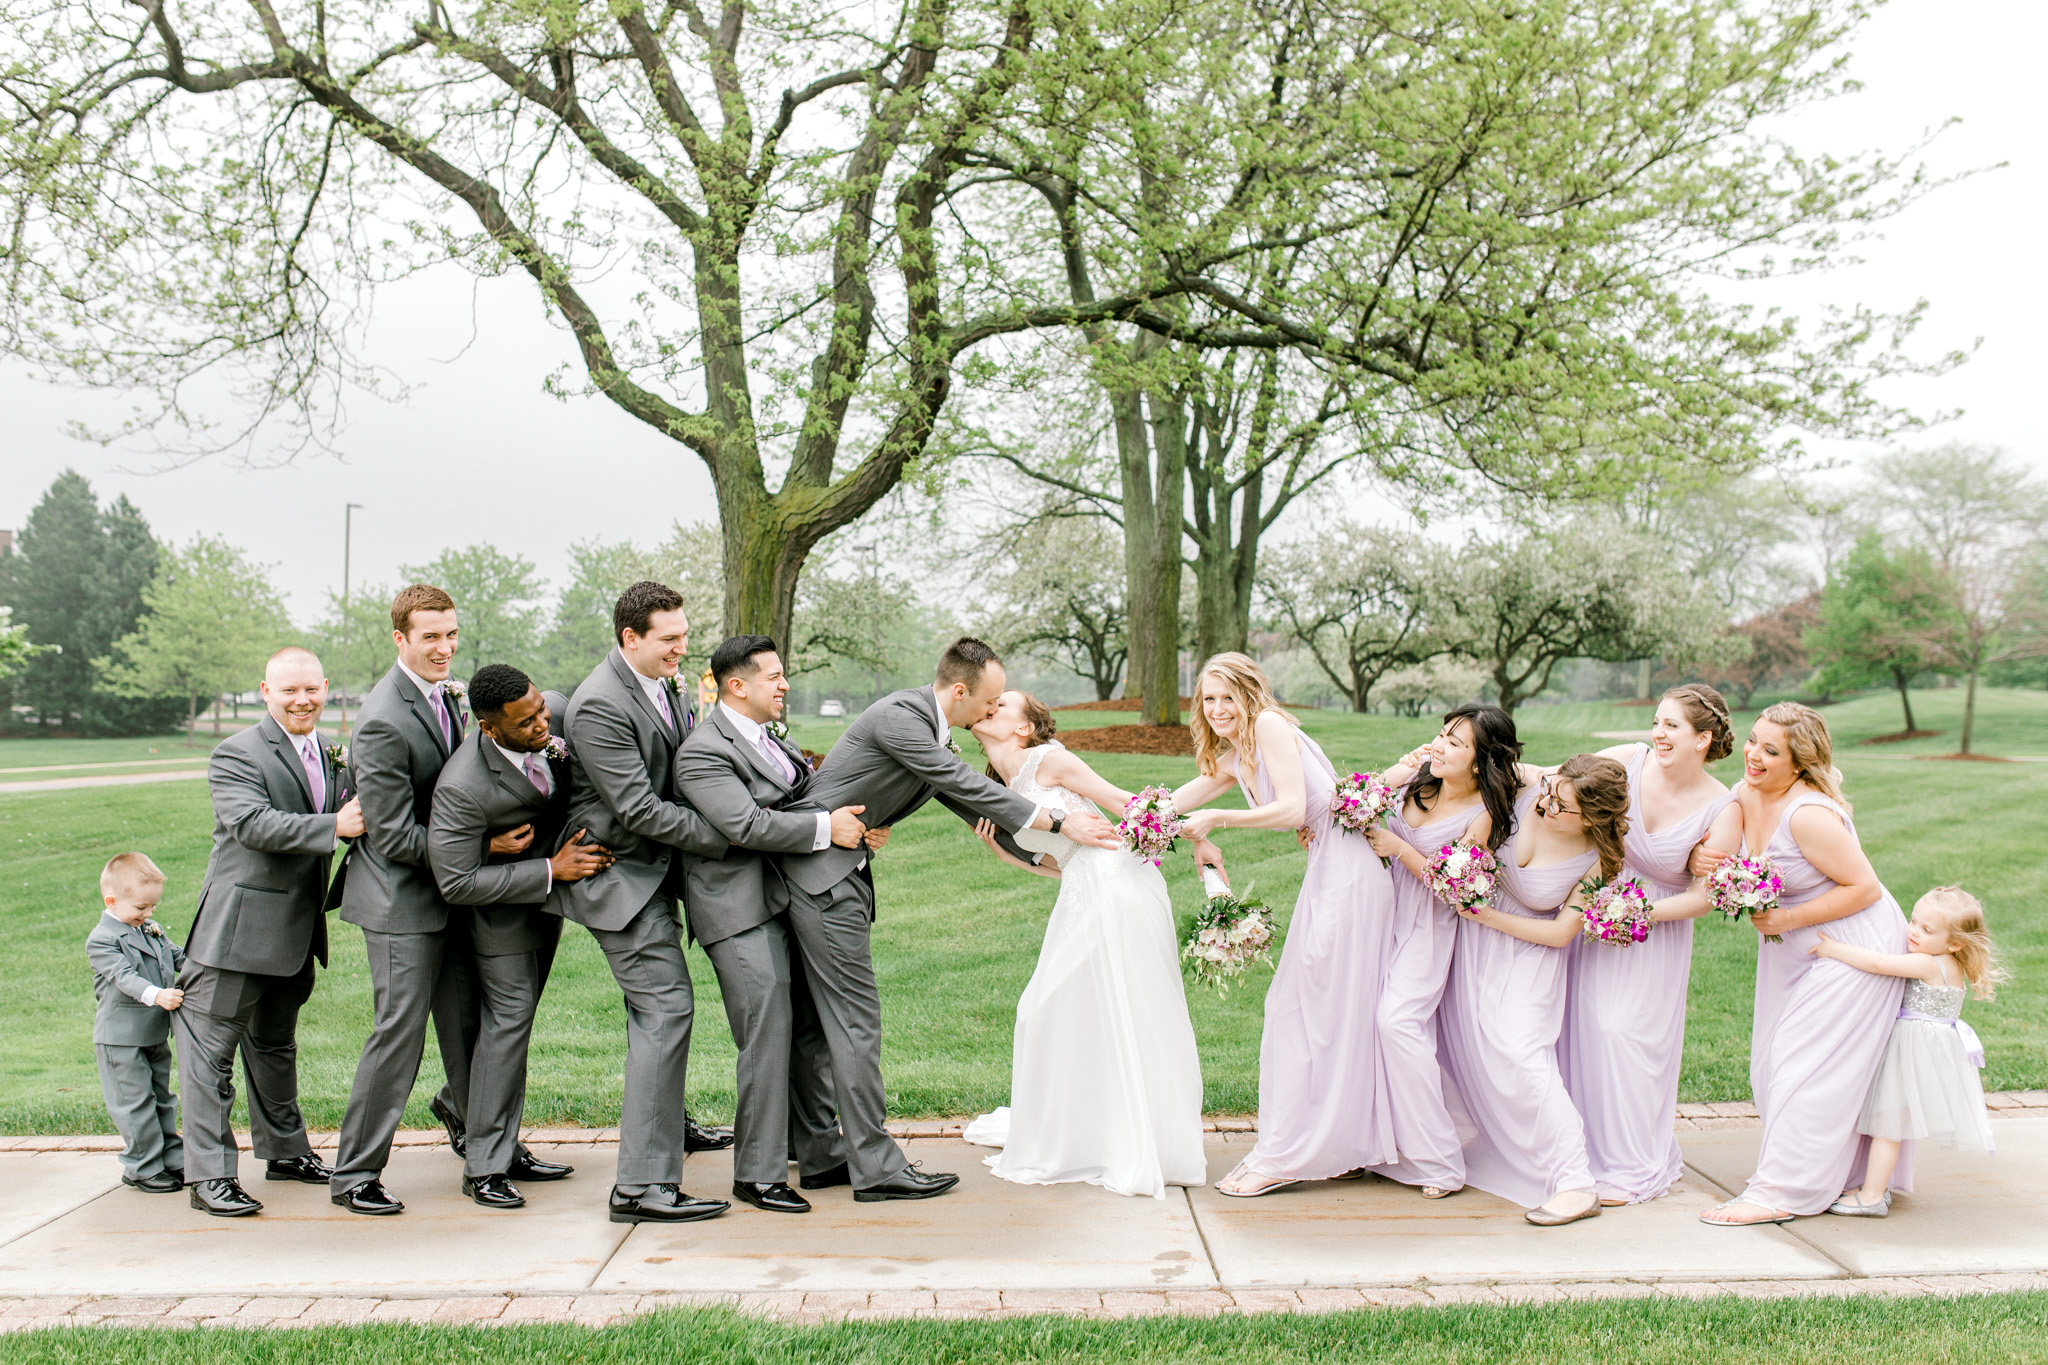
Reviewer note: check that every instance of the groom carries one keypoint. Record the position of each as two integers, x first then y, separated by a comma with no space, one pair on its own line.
895,757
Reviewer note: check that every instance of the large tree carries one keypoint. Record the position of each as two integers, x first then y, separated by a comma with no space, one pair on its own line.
1873,616
1363,601
1055,585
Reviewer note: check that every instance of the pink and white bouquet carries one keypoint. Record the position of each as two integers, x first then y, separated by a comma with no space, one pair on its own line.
1463,876
1743,885
1227,936
1150,824
1361,801
1619,914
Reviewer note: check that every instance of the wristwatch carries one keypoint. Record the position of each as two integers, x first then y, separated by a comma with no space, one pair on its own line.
1058,819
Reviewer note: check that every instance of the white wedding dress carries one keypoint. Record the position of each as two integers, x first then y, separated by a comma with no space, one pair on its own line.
1105,1085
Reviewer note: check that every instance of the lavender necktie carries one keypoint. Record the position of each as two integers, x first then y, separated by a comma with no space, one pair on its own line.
777,757
668,716
316,781
537,773
440,699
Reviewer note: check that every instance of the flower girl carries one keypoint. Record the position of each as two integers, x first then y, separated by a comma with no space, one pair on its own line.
1927,1085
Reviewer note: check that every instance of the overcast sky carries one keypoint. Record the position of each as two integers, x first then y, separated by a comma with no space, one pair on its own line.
479,452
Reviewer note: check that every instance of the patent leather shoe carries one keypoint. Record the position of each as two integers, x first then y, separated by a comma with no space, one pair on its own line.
827,1178
698,1138
777,1197
307,1170
663,1204
370,1197
493,1192
458,1134
163,1182
527,1166
908,1183
224,1198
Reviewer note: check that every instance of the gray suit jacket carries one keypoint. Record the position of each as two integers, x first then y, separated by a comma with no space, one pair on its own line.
395,754
262,905
892,761
126,958
622,789
480,795
729,781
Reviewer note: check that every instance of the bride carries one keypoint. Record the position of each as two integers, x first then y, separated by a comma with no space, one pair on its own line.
1105,1086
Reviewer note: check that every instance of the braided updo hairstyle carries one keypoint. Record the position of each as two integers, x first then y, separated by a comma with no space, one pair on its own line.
1707,712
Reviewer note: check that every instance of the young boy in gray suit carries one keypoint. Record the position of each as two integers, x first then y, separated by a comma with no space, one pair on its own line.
134,971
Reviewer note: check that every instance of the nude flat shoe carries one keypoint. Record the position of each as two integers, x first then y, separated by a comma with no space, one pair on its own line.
1544,1218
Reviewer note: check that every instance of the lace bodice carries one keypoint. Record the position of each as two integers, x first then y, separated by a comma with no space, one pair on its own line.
1936,1002
1026,784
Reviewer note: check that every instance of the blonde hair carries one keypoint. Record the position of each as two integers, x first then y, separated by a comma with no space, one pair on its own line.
1813,752
1962,914
1600,786
1246,682
127,873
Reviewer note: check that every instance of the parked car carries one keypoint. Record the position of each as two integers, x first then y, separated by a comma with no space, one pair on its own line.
834,710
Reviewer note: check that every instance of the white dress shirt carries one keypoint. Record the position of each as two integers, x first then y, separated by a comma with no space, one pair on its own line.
655,688
518,762
752,730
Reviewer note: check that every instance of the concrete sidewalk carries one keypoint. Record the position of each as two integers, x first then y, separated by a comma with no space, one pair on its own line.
76,1247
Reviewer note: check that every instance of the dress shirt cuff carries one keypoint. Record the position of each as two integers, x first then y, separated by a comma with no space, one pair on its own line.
549,864
823,838
148,996
1036,811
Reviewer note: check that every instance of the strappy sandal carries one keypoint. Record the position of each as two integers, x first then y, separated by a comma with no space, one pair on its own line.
1272,1183
1770,1215
1439,1191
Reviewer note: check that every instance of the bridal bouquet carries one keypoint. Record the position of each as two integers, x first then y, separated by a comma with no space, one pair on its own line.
1150,824
1228,935
1361,801
1619,914
1463,876
1741,885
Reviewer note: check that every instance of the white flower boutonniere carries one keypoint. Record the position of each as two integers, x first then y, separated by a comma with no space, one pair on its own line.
152,928
455,688
778,729
953,747
557,748
337,754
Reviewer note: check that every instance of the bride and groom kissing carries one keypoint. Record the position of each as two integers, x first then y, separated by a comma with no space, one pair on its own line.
1106,1061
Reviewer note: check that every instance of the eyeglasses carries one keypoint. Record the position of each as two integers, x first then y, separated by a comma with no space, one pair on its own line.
1550,803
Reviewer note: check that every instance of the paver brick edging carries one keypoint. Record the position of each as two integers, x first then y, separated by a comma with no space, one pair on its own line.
834,1306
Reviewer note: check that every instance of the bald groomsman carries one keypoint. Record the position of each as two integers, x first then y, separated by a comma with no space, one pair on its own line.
280,807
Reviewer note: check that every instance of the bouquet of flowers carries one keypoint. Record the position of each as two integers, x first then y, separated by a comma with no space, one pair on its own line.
1463,876
1150,824
1361,801
1619,914
1741,885
1228,935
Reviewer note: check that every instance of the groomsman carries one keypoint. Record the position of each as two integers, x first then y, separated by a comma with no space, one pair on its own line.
408,726
505,781
280,806
623,726
897,755
751,785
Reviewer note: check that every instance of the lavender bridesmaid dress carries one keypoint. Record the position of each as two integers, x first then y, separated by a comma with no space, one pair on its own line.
1498,1030
1624,1017
1819,1031
1322,1098
1425,930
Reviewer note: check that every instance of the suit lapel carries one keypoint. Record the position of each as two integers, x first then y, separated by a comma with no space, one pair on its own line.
289,756
638,695
514,780
754,756
422,710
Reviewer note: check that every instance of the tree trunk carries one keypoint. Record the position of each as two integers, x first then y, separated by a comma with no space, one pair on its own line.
216,715
1905,701
1969,708
192,721
1152,464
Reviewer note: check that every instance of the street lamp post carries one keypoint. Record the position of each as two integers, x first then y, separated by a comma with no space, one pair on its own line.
348,513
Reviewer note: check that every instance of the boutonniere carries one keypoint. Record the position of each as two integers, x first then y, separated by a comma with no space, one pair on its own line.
455,689
777,728
337,754
955,748
557,748
152,928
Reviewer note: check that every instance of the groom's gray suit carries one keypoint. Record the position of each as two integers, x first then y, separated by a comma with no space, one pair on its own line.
622,789
735,906
892,759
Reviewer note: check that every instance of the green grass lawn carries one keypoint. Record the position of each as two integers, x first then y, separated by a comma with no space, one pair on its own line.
958,933
1961,1331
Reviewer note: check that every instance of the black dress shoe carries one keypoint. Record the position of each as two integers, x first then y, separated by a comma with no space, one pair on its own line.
458,1135
663,1204
163,1182
224,1198
773,1198
493,1191
307,1170
908,1183
698,1138
527,1166
369,1197
826,1179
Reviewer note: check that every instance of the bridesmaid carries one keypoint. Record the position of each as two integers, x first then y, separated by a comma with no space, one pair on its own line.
1820,1026
1322,1103
1504,1010
1467,773
1624,1020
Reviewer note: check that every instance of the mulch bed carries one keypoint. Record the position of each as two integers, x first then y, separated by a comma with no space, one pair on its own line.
1173,740
1898,736
1942,758
1120,704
